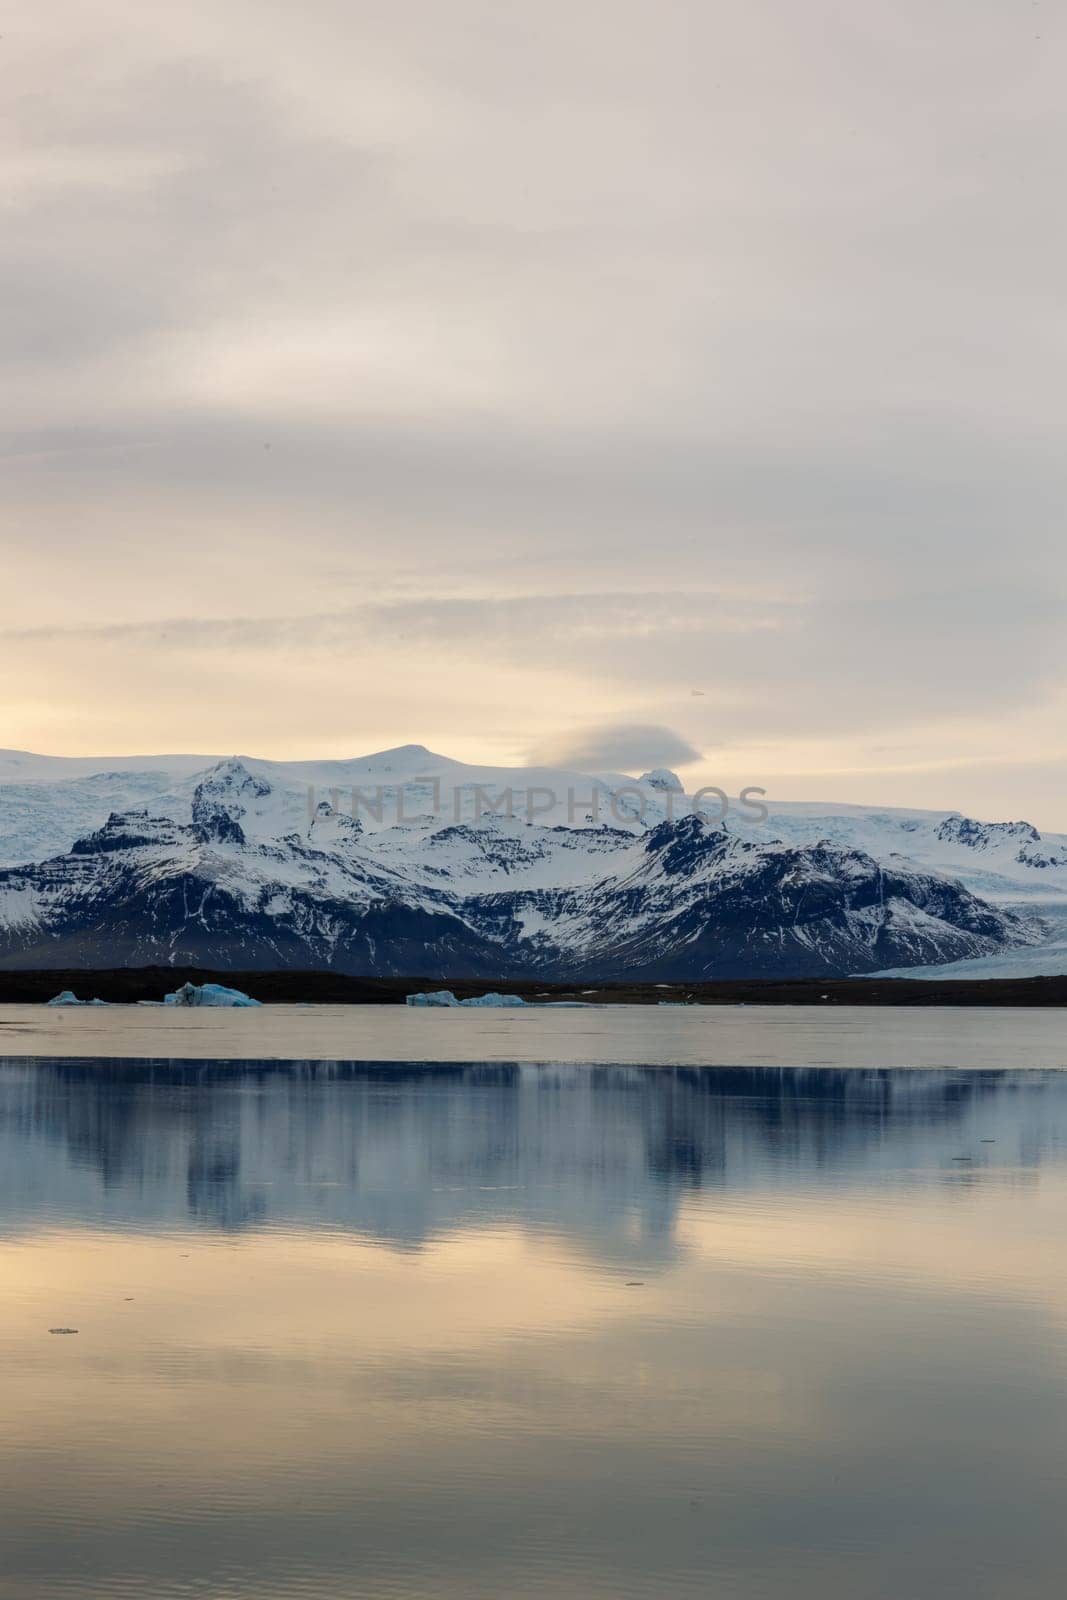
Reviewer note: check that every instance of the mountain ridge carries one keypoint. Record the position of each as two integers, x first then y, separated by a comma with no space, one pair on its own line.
231,869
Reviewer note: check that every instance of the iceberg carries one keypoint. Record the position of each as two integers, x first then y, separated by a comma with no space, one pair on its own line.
494,1000
445,997
208,994
67,997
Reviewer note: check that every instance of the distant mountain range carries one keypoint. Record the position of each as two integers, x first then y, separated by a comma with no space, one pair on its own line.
438,868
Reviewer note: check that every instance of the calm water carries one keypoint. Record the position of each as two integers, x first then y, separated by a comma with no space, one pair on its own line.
794,1036
507,1333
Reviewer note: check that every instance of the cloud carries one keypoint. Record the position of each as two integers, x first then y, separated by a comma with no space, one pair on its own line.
619,747
351,390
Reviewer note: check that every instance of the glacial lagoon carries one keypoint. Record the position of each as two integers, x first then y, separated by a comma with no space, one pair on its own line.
480,1329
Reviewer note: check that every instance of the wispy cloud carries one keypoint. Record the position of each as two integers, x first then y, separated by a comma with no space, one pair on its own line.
353,398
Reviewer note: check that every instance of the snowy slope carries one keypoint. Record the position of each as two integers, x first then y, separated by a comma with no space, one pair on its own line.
144,889
46,802
40,818
234,873
328,863
690,901
23,766
1008,861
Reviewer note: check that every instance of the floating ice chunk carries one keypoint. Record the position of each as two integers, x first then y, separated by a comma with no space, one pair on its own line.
66,998
494,1000
208,994
445,997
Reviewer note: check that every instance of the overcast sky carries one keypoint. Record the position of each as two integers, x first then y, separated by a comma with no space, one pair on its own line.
622,382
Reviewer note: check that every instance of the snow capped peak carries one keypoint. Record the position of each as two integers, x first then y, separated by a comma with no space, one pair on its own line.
222,799
687,899
232,776
682,847
662,778
958,829
690,826
403,758
447,828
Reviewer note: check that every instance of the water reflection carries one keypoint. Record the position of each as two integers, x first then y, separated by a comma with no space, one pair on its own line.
497,1333
405,1153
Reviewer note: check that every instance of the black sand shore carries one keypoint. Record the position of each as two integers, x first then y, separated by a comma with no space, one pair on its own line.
129,984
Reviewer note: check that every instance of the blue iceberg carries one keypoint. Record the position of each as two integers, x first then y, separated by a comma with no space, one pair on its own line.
445,997
494,1000
208,994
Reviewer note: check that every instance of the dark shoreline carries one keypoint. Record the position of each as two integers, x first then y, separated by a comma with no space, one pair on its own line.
129,984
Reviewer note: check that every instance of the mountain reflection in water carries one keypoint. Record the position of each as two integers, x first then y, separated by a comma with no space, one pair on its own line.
405,1153
483,1332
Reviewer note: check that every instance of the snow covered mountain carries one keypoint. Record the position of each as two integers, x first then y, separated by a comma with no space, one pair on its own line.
1002,861
439,868
48,802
